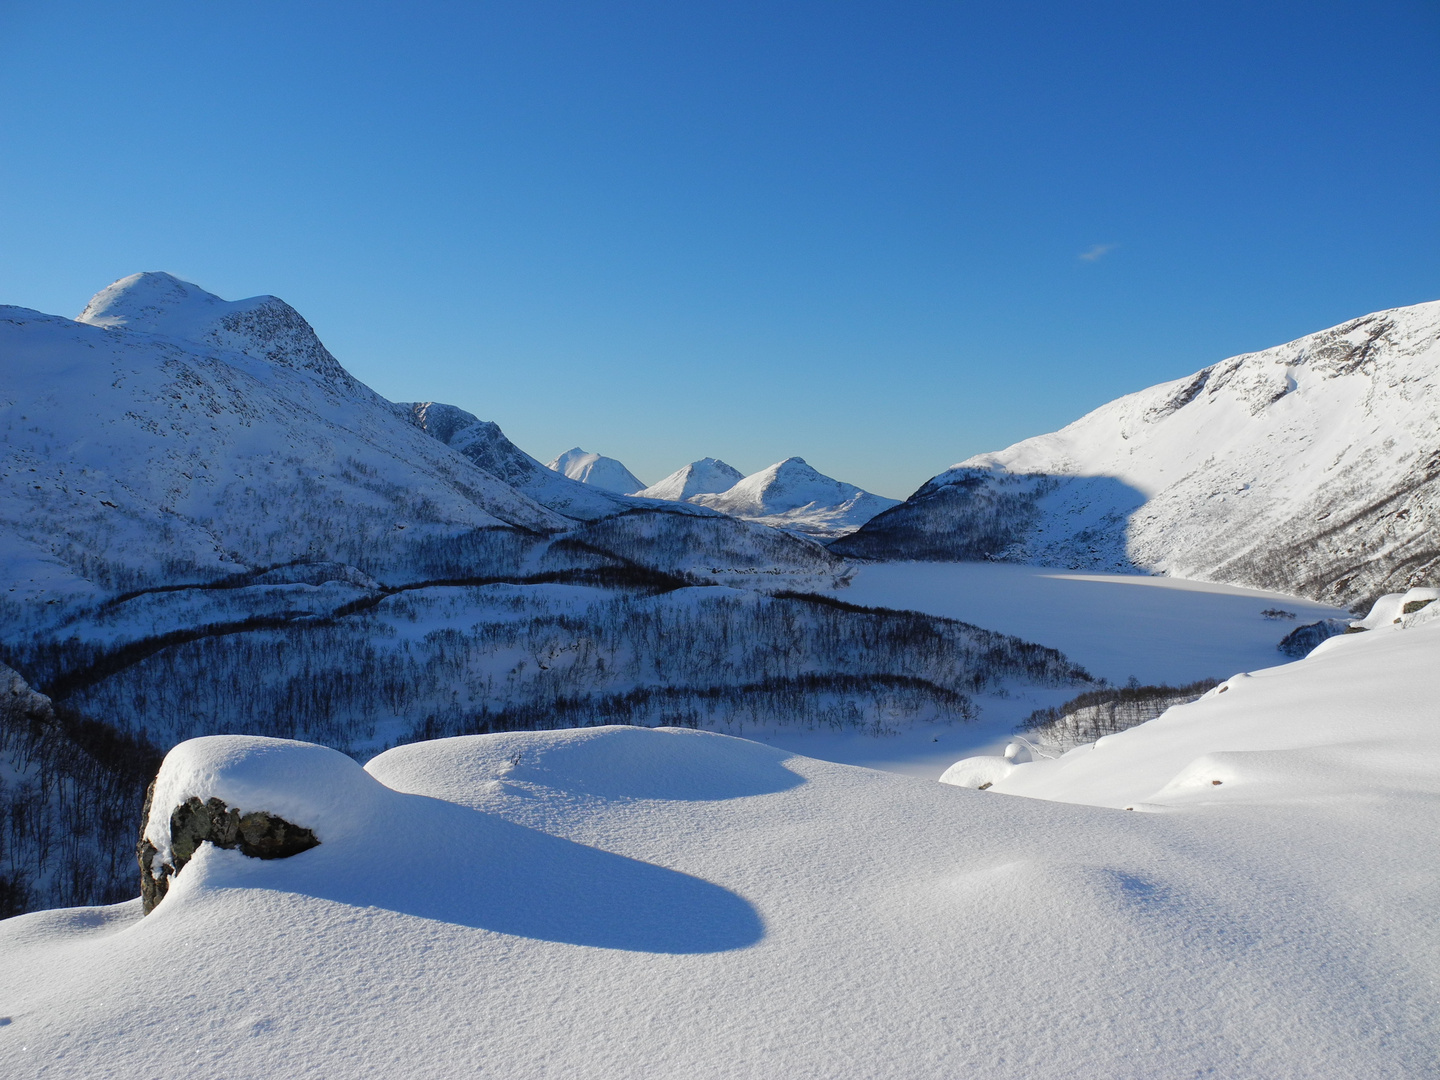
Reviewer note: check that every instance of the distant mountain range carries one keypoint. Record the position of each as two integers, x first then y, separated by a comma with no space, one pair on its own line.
1312,468
167,434
788,495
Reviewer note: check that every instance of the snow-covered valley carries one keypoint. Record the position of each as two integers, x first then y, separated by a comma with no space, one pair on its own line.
478,765
621,902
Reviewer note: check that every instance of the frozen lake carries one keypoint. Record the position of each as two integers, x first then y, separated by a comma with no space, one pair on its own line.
1155,629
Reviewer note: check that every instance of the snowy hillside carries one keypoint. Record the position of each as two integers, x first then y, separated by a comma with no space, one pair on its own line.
1312,468
169,434
791,495
700,906
597,470
485,444
704,477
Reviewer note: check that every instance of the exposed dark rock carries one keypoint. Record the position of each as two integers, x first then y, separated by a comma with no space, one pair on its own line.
1302,639
192,823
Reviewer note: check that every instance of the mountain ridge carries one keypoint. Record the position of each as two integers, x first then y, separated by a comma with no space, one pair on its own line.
1312,467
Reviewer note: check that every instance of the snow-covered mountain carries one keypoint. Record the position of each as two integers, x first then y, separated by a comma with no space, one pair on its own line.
1311,468
597,470
169,434
791,495
708,476
485,444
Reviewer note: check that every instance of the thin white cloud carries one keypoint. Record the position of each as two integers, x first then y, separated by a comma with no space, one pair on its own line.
1096,252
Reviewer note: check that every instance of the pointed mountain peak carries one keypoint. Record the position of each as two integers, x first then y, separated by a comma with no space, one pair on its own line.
153,302
596,469
707,476
263,327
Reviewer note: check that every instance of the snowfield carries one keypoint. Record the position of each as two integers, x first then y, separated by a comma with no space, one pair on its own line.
619,902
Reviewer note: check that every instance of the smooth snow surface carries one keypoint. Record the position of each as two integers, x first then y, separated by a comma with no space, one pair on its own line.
595,469
669,903
1312,467
1117,626
792,495
704,477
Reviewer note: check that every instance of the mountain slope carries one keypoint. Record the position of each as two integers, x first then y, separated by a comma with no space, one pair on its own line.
485,444
1311,468
170,434
597,470
792,495
708,476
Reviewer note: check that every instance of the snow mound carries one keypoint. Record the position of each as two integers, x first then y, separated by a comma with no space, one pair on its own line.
1401,609
1350,717
978,772
704,477
596,469
308,785
792,495
606,762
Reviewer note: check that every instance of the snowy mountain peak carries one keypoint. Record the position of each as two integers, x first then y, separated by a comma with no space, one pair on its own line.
1312,467
791,494
708,476
598,470
486,445
263,327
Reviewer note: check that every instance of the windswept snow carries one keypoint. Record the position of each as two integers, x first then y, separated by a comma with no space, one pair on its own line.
1311,468
621,902
598,470
704,477
1349,729
791,495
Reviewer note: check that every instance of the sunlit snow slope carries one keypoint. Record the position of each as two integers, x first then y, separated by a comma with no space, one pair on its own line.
619,902
168,433
704,477
1311,468
792,495
598,470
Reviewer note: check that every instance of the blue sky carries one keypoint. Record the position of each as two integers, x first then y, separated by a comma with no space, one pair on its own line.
857,232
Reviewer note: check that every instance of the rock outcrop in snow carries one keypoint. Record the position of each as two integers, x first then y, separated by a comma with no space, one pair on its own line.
598,470
1310,468
791,495
708,476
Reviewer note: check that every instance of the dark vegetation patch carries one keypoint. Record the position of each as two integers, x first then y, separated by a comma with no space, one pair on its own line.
1105,711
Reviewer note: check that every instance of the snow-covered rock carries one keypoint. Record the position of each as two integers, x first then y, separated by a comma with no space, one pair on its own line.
1311,468
792,495
597,470
707,476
